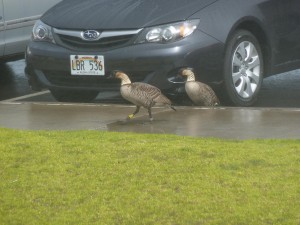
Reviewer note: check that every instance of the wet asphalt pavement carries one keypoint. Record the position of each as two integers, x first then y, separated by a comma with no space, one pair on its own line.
13,82
275,115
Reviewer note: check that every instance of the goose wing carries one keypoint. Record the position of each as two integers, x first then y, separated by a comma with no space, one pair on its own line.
140,94
208,93
201,94
154,94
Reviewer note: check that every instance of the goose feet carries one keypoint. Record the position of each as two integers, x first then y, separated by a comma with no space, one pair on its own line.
129,117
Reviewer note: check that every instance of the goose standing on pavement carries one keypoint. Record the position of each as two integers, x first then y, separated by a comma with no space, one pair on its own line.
141,94
199,93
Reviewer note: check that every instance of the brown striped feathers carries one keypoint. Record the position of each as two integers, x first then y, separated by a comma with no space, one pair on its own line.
201,94
141,94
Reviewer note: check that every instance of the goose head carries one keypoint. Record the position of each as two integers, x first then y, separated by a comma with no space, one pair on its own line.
188,72
122,76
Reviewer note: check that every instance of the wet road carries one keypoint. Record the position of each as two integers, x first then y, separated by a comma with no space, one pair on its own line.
282,90
13,82
276,114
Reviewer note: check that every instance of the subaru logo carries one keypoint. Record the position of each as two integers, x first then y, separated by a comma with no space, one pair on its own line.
90,35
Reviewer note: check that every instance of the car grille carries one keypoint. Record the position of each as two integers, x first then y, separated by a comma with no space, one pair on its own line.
75,42
107,40
97,82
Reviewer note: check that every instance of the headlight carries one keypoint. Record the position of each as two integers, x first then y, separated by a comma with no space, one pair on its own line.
167,33
42,32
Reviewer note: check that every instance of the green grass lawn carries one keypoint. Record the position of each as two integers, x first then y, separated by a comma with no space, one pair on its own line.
93,177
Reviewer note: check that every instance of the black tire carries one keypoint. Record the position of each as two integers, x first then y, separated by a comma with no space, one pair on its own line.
73,96
243,69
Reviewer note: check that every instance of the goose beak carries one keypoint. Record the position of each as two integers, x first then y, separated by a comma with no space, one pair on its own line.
179,74
112,74
180,71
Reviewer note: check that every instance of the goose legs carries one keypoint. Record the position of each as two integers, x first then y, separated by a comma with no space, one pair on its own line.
150,114
134,113
131,116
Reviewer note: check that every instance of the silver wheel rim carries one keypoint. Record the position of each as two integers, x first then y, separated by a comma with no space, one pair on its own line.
246,69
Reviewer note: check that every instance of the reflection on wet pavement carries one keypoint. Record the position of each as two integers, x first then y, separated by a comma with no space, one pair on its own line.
13,82
228,123
141,125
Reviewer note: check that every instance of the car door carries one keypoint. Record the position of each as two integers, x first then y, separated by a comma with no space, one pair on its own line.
2,29
289,31
284,19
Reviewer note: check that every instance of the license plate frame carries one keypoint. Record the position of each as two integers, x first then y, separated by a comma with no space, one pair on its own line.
87,65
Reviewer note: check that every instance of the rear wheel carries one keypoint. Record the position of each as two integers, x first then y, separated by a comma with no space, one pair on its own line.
243,69
73,96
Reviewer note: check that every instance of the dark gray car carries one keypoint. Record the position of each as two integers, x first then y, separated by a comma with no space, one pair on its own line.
231,45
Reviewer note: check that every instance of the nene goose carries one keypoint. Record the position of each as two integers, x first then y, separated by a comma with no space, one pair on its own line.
199,93
141,94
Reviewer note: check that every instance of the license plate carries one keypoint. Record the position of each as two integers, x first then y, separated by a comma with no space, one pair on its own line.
87,65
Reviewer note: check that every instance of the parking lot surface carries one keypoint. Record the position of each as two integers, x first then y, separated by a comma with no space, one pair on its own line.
228,123
275,115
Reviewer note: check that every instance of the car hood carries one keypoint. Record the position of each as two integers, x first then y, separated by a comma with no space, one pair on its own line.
120,14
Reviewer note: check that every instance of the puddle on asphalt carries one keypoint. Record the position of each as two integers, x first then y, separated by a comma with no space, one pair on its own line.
141,125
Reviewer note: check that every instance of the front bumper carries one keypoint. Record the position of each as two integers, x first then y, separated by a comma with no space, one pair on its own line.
48,65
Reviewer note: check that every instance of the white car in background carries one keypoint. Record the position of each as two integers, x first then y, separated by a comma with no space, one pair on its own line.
17,18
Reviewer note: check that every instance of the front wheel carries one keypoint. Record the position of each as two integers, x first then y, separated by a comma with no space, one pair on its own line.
243,69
